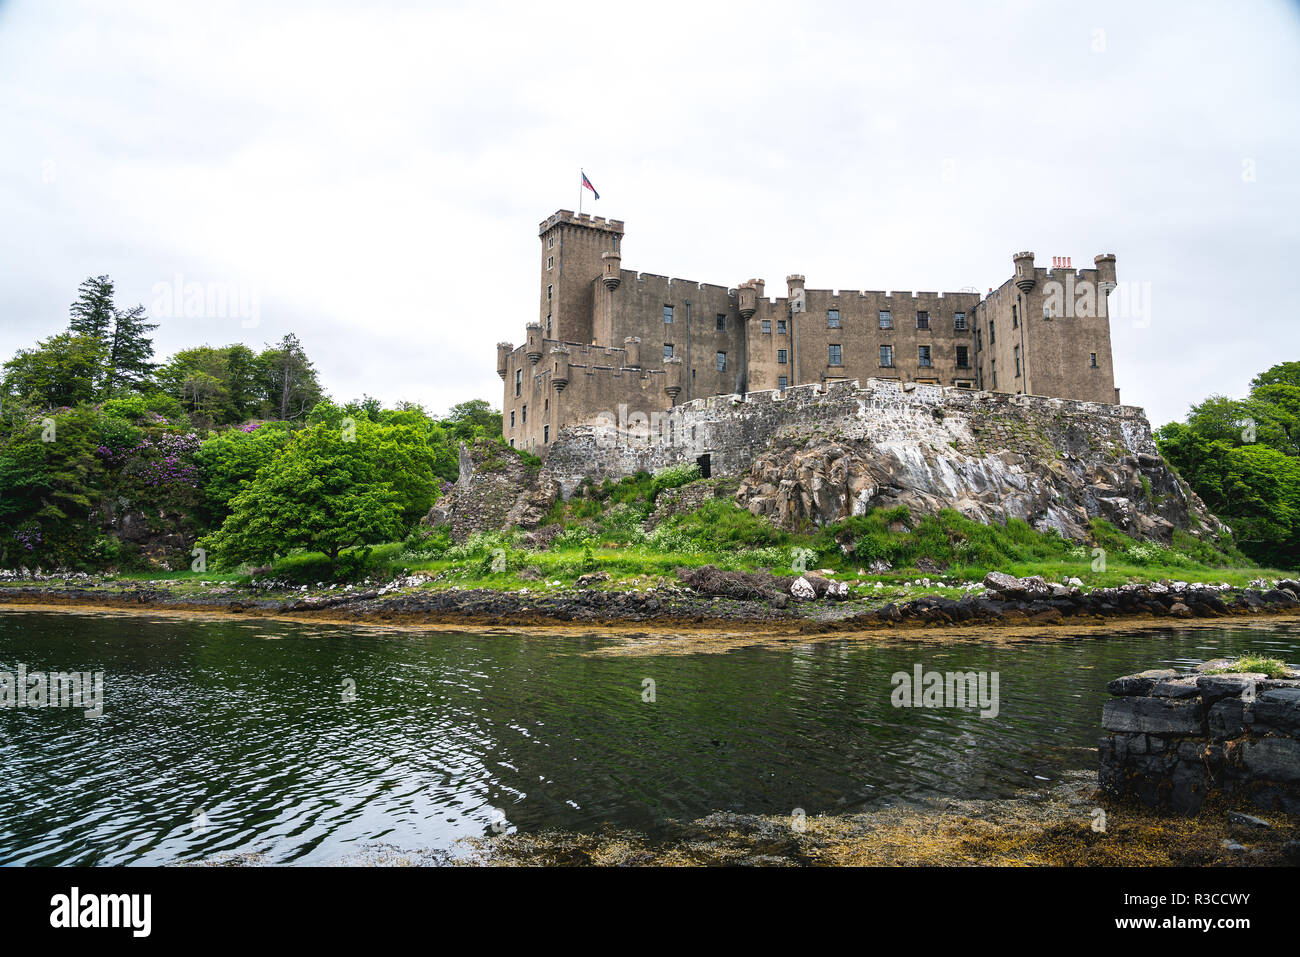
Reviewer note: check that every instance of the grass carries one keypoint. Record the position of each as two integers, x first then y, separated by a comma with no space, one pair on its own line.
1255,664
604,529
609,528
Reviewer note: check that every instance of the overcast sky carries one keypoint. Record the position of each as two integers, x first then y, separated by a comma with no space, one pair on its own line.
374,174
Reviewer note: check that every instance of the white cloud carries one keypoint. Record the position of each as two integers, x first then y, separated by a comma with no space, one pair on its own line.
377,171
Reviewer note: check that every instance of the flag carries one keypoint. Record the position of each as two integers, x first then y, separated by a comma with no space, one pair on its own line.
587,183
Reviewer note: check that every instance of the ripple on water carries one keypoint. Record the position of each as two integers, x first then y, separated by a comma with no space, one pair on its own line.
216,740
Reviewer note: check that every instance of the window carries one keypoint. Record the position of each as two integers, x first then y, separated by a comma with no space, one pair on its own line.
668,313
1017,352
832,319
993,369
548,325
550,291
525,419
833,355
1015,318
782,383
722,362
887,357
550,242
780,357
993,336
767,325
923,356
668,350
964,384
1092,359
780,327
519,381
512,443
886,319
512,418
963,357
550,262
959,321
546,434
923,320
1047,310
722,322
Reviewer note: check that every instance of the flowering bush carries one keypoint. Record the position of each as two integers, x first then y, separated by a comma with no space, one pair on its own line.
164,460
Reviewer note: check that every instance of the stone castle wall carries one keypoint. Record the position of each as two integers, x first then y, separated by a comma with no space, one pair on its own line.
1174,740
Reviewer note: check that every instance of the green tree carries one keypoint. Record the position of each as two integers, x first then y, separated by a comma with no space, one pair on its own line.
333,487
130,352
1242,457
62,370
472,419
230,460
93,312
50,477
289,379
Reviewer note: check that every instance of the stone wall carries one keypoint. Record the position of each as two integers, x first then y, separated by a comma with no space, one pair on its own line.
1173,740
810,455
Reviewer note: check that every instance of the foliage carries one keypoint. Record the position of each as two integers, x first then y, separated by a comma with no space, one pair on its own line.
330,488
1242,457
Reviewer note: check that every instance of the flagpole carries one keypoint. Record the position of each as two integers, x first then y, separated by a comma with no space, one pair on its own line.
580,192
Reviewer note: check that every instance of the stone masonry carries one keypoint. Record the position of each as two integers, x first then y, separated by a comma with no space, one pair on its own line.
607,338
1175,739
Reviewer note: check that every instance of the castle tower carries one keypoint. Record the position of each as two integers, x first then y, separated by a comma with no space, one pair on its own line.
673,377
503,357
533,344
748,293
1105,264
613,274
560,377
795,293
573,250
1024,263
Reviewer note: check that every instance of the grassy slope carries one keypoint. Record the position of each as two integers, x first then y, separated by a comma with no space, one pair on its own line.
603,529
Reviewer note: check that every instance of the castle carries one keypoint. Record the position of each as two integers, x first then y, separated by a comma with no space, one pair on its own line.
608,340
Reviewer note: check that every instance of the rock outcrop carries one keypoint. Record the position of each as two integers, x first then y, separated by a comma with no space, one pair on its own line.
990,463
495,489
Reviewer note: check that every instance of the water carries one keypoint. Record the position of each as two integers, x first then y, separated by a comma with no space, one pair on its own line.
234,736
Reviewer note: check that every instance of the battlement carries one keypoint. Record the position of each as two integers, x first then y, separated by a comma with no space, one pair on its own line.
609,324
570,218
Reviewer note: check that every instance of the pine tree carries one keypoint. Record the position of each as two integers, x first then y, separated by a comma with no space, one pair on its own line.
130,351
92,313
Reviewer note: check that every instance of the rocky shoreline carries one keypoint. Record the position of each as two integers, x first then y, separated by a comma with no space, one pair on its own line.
1000,600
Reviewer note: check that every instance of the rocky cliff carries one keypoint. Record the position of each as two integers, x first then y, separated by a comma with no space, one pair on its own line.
807,456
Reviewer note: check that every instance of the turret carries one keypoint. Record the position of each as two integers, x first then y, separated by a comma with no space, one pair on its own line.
503,356
1105,271
1024,271
613,274
560,376
673,378
795,293
533,347
632,345
748,293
